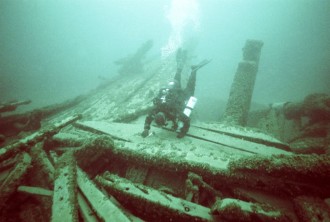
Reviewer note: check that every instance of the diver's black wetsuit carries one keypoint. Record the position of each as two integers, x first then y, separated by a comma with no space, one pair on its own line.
172,103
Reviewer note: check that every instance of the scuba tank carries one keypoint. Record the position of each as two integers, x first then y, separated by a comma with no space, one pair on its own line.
190,106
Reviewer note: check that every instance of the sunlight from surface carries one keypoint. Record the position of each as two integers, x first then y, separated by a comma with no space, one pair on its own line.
182,15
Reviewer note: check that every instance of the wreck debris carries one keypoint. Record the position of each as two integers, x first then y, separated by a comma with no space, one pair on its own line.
230,209
156,186
11,106
65,190
311,209
12,181
200,192
238,105
103,206
286,175
43,169
133,64
35,190
304,125
25,143
14,124
86,212
152,204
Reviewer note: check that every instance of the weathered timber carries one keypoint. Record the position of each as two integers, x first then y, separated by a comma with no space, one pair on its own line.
65,190
239,101
102,205
288,176
311,209
85,211
301,168
239,142
94,153
43,169
244,134
12,181
35,190
8,163
11,106
29,141
152,204
229,209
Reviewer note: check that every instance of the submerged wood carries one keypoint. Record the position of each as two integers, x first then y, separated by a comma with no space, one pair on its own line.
25,143
65,190
152,204
12,181
185,176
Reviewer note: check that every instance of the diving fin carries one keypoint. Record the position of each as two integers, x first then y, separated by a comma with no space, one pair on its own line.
200,65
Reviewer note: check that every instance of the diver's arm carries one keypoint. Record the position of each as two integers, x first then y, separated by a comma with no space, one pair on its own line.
150,117
184,126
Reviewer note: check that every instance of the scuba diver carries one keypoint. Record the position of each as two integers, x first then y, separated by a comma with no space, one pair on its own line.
174,103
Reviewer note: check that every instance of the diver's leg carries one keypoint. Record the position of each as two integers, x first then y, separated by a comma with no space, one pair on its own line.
190,88
181,56
177,76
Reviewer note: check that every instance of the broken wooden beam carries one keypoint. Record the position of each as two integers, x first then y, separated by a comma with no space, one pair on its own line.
102,205
229,209
65,190
86,212
151,204
287,175
43,169
35,190
34,138
311,209
12,181
11,106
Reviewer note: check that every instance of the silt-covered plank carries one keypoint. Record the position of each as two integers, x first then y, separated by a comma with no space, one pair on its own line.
65,189
152,204
12,181
102,205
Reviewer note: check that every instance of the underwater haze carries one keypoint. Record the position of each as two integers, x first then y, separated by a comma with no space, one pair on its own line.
55,50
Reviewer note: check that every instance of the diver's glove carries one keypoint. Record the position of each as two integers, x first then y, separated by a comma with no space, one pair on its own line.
145,133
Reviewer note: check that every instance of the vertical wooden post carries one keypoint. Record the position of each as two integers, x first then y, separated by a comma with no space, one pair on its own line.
239,101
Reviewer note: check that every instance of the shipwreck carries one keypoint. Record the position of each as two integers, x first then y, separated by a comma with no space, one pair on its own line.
84,159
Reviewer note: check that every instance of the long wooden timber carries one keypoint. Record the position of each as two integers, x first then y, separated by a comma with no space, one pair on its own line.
159,151
217,163
244,134
65,190
104,208
29,141
131,132
151,203
12,181
93,204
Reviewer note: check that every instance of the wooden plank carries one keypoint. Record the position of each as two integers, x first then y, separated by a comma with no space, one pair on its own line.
153,204
164,147
35,190
43,168
228,208
235,143
131,133
23,144
103,206
85,211
311,209
64,198
12,181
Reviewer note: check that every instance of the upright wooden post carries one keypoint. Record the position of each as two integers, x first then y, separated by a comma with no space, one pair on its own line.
239,101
